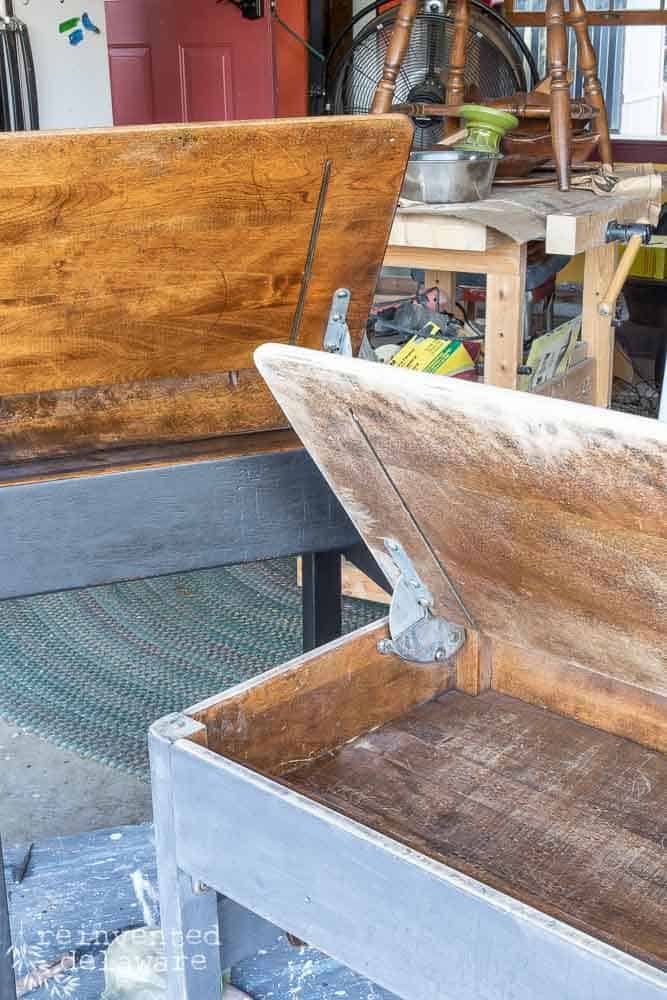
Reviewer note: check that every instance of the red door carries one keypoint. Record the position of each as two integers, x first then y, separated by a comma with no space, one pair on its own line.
188,60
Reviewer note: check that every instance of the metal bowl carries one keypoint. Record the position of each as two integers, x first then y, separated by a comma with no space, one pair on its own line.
449,175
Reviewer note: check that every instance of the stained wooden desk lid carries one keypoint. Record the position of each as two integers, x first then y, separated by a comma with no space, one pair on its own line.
141,267
537,521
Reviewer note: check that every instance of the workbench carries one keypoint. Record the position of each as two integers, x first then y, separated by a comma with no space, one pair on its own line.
491,237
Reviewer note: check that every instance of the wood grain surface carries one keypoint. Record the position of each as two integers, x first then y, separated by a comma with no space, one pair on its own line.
533,520
52,424
557,814
317,702
136,257
623,709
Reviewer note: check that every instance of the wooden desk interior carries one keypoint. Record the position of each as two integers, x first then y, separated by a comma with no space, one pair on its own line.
565,817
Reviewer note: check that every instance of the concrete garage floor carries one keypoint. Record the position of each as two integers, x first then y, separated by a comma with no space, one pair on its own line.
47,792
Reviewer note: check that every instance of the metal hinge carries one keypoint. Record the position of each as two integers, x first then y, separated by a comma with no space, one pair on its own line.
337,338
416,633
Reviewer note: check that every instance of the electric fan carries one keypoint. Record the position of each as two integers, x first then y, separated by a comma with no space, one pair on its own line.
498,63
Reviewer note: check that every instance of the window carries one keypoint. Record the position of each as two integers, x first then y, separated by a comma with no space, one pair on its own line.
632,59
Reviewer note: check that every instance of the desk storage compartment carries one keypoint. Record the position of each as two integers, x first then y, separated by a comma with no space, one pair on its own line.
553,812
466,801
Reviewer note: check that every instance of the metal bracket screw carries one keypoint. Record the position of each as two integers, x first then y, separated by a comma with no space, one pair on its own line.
417,634
337,338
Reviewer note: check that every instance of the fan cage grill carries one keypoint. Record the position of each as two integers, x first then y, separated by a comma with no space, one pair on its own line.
489,73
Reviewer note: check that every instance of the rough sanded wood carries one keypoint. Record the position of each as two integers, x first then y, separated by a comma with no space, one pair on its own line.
137,257
317,702
536,521
590,697
566,818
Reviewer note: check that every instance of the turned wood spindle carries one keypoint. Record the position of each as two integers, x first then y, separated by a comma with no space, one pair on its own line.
455,81
396,51
557,67
578,18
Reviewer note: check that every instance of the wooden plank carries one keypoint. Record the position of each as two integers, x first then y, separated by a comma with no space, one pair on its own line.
142,413
593,698
556,814
473,665
86,530
569,221
156,254
526,517
317,702
577,384
97,463
616,18
499,259
346,889
411,230
354,583
586,228
505,310
597,329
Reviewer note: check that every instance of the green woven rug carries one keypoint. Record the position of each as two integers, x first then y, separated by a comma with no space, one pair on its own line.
92,669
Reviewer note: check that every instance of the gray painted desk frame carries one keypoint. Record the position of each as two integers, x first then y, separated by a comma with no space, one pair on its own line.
91,529
410,924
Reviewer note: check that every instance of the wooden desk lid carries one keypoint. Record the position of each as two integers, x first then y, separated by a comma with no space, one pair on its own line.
141,267
534,520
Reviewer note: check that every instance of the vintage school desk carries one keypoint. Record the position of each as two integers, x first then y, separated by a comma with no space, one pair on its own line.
140,268
466,801
491,237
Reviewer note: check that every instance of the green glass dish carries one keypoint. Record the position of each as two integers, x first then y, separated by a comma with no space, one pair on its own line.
486,127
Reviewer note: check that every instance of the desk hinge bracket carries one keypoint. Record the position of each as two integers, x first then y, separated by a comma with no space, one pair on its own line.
337,338
416,633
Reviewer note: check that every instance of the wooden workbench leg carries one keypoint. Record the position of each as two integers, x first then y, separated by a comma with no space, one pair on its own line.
322,598
188,912
446,282
597,330
505,308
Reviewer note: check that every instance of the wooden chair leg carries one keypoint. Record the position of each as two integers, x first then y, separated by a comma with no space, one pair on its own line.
557,66
398,46
578,18
455,82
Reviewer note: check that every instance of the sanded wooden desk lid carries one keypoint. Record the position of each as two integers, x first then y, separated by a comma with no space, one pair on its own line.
141,267
537,521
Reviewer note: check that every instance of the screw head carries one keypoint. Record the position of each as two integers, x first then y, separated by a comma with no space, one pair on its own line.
200,888
385,646
440,655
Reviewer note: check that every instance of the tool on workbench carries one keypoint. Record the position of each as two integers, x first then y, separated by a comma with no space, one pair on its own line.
635,235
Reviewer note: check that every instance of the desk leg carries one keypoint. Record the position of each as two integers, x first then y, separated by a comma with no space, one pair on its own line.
7,981
597,330
505,309
189,918
322,598
446,282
